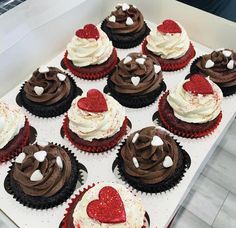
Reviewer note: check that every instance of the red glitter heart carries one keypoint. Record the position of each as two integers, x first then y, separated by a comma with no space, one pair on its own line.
89,31
94,102
109,208
198,85
169,26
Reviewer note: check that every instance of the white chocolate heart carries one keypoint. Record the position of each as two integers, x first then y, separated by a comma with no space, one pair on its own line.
43,69
157,68
20,158
230,64
40,155
112,18
156,141
61,77
135,80
135,161
59,162
144,56
38,90
134,139
140,60
227,53
2,120
129,21
125,6
209,64
42,143
36,175
127,60
167,162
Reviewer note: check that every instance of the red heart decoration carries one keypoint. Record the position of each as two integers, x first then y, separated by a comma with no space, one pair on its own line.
89,31
109,208
169,26
198,85
94,102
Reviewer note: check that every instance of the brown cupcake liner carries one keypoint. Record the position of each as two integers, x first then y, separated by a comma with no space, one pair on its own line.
185,133
8,155
40,202
162,186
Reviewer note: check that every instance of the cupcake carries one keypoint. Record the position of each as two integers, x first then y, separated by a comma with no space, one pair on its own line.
14,131
170,45
105,205
193,108
125,26
220,67
90,55
95,122
43,176
152,161
136,81
48,93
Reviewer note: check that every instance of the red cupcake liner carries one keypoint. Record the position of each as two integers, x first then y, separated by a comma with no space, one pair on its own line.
186,134
4,157
85,74
171,64
96,149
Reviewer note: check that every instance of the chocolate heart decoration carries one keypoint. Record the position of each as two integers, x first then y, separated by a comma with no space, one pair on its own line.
198,85
89,31
169,26
109,208
94,102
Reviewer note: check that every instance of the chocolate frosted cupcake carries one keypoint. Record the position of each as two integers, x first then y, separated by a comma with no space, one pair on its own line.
14,131
43,176
220,67
151,161
125,26
136,81
48,93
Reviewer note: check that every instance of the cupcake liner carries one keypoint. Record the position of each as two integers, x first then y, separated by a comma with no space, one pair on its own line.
18,142
227,91
97,146
91,75
185,133
40,202
51,110
135,40
138,101
171,64
161,186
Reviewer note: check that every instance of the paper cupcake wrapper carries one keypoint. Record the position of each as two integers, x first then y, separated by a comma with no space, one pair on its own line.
23,137
180,132
124,43
161,186
98,148
91,75
175,64
53,110
227,91
39,202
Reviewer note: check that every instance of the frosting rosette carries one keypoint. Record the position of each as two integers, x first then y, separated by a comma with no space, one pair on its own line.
196,100
85,50
42,170
12,120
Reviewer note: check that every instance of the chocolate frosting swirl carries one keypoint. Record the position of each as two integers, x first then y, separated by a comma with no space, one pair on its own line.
54,177
149,80
54,89
120,26
150,158
219,73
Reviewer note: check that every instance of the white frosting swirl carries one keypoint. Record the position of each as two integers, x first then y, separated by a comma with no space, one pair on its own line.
84,52
193,108
89,125
168,46
133,208
12,120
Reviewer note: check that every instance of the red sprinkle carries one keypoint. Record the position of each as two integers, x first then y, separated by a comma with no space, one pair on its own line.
89,31
169,26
